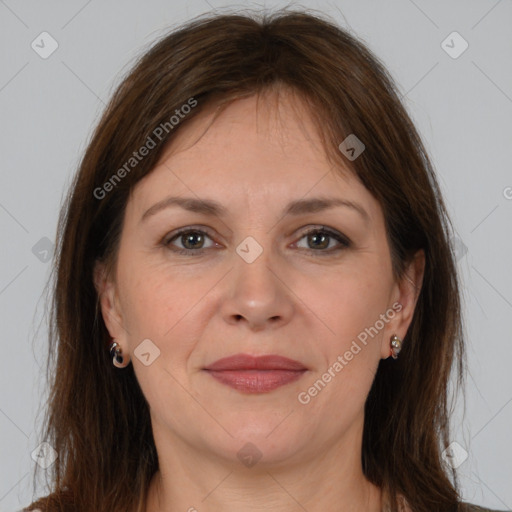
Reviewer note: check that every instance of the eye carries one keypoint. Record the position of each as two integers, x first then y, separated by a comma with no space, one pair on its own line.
192,241
319,239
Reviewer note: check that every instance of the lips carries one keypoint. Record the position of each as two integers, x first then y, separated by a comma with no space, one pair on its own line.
247,362
252,374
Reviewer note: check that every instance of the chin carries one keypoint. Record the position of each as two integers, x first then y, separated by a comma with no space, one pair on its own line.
264,443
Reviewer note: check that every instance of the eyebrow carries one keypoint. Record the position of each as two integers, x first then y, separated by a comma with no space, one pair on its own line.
294,208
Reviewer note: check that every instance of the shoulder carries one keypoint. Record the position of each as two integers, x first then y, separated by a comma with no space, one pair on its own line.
469,507
463,507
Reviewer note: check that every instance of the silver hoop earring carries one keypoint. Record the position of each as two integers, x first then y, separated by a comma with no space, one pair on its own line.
116,354
396,346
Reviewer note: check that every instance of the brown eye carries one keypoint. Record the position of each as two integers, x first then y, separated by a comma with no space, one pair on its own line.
190,240
319,240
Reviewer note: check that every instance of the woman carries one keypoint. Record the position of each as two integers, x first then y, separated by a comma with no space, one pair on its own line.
256,301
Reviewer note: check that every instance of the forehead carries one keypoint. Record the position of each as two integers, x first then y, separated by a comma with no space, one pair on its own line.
271,126
258,150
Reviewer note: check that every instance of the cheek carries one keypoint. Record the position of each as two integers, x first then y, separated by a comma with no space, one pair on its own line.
166,307
154,297
347,303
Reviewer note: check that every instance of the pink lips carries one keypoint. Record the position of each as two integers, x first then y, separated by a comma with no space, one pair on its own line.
256,374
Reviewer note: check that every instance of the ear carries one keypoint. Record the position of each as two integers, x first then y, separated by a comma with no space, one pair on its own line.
404,298
108,298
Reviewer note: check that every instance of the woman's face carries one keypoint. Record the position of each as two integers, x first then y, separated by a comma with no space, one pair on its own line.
251,281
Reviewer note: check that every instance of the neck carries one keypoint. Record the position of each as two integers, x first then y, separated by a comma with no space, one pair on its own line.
331,481
233,492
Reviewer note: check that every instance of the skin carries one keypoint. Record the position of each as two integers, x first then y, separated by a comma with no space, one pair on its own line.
292,301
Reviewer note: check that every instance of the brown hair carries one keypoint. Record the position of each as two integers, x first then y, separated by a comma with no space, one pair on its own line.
98,419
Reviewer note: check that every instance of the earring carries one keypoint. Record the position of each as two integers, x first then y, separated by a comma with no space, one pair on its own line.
396,346
117,355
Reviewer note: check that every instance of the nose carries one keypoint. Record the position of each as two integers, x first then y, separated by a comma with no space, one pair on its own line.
257,293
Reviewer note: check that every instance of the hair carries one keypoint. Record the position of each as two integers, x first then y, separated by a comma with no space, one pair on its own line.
97,417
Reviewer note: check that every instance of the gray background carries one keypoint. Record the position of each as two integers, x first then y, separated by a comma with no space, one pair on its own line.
462,107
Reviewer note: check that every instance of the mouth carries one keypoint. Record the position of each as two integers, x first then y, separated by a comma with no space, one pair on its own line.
252,374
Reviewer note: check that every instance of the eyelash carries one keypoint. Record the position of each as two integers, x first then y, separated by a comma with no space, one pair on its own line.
345,242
